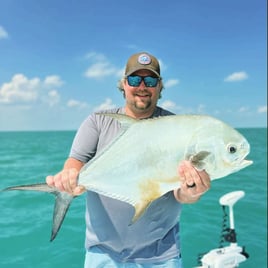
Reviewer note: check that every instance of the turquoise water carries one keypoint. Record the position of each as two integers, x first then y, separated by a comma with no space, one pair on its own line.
25,221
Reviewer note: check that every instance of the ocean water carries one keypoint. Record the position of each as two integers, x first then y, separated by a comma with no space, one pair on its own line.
25,218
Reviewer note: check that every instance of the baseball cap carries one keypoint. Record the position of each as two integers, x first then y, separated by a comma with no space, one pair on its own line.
142,61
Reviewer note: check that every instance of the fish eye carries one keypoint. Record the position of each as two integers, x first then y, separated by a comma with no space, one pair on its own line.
232,149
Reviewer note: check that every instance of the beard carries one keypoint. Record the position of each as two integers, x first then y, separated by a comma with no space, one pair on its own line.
142,105
142,100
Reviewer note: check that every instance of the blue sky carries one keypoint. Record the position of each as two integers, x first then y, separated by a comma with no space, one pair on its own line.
61,60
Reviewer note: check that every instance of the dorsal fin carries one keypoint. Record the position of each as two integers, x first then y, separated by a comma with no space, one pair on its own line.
125,120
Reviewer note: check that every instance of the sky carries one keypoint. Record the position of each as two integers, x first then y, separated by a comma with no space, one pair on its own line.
61,60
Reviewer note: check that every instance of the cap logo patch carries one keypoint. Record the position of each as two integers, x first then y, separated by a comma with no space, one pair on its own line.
144,59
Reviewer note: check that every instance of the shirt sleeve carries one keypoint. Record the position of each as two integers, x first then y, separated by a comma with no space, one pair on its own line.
86,140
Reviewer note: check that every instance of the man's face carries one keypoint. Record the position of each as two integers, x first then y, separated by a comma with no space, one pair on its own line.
142,99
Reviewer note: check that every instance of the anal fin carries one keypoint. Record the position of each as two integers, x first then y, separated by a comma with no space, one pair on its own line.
149,191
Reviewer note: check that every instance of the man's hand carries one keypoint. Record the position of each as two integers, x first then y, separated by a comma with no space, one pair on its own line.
194,183
66,180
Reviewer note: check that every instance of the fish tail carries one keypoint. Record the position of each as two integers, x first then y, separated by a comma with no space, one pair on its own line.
62,203
40,187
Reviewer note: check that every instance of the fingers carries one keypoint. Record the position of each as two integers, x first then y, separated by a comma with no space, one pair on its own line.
194,182
50,181
188,173
79,190
204,178
66,181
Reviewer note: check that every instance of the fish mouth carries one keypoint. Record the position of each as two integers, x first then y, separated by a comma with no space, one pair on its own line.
242,164
245,163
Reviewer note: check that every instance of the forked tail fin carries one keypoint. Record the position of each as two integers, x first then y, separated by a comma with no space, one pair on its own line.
62,203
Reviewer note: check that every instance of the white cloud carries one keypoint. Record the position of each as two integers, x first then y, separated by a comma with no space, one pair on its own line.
19,89
170,105
100,66
73,103
106,105
236,76
3,33
173,107
243,109
53,80
95,56
262,109
53,98
120,72
77,104
171,83
100,69
25,90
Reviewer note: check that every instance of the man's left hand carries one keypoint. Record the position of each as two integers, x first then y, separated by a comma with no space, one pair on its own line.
194,183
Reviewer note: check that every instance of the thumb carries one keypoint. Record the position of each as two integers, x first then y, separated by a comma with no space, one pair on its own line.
79,190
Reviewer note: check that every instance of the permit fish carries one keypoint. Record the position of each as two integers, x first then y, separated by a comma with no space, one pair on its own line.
141,164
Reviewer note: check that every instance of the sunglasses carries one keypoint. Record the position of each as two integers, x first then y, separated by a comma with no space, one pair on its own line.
149,81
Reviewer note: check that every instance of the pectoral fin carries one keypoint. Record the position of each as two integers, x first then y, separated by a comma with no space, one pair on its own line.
197,159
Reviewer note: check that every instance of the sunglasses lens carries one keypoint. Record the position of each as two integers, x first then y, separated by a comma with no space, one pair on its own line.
150,81
135,80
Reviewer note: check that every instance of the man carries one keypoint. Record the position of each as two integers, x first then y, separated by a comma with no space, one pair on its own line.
152,241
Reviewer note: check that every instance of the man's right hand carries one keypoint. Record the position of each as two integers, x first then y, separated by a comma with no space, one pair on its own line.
66,180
